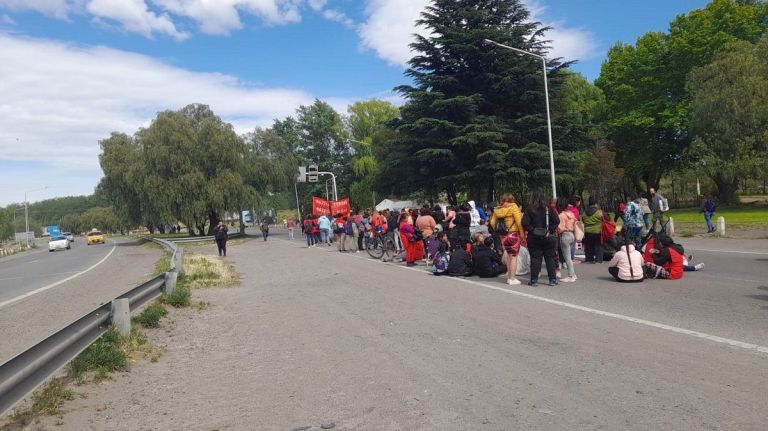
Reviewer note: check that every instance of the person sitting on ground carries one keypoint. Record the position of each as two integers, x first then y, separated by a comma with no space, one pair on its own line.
441,259
460,264
488,263
483,228
627,264
667,261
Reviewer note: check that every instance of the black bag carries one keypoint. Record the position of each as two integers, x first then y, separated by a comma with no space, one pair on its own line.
417,235
501,227
543,231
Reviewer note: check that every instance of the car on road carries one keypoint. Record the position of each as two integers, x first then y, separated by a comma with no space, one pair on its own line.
70,236
59,242
94,237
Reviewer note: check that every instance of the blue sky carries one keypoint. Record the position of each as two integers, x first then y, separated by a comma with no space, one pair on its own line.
72,71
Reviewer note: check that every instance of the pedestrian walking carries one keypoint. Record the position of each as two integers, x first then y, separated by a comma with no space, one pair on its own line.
265,228
291,224
708,208
220,235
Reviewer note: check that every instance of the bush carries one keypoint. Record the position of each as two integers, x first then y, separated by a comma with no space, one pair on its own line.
150,317
179,298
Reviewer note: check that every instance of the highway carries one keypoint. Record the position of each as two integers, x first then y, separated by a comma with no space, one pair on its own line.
39,268
41,292
313,337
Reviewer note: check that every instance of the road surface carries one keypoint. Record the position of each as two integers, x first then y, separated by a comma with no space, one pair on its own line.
317,337
42,292
26,272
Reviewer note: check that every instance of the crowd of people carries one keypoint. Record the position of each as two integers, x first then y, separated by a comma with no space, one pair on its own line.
505,238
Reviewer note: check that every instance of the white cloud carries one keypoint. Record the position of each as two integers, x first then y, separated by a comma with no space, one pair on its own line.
135,16
390,25
317,5
221,17
339,16
6,20
59,109
55,8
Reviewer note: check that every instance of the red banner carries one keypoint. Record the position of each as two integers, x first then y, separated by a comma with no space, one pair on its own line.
321,206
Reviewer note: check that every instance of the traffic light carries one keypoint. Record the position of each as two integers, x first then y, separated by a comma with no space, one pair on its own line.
312,173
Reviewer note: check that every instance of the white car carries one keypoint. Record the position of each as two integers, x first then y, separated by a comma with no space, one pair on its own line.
58,243
70,236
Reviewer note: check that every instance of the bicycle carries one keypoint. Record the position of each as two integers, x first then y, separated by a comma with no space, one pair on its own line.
380,246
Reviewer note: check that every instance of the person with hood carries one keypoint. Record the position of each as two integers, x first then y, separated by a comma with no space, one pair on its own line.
324,224
221,237
507,225
627,264
488,264
593,223
474,217
667,259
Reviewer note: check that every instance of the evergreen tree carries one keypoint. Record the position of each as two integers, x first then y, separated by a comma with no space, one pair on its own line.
475,119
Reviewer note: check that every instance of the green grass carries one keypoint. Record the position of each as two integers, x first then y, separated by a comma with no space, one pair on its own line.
150,317
163,265
733,215
104,356
179,298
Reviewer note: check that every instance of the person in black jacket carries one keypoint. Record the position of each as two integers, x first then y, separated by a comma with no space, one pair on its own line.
487,262
540,224
460,264
462,221
221,236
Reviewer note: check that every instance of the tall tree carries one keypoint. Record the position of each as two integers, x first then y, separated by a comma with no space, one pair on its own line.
729,116
475,118
644,84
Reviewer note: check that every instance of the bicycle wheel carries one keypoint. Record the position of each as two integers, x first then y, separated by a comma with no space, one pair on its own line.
388,250
375,247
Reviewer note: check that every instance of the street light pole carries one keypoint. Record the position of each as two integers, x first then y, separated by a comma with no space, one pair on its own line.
26,212
549,116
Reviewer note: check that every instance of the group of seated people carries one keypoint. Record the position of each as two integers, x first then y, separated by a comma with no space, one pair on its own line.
661,258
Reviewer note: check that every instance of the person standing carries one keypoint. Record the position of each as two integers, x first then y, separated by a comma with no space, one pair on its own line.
646,212
508,233
221,236
291,224
324,224
708,208
340,230
566,229
265,228
414,248
593,223
541,226
633,221
656,208
307,229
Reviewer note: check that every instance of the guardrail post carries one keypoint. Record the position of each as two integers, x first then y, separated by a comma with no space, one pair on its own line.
179,255
121,316
171,278
721,226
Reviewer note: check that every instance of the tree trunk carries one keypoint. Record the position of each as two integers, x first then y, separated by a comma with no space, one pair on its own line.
726,190
490,197
213,220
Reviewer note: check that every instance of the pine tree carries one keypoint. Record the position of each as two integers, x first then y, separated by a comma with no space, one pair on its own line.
475,117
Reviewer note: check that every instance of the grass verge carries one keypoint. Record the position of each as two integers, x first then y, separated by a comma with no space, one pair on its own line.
109,354
207,271
150,317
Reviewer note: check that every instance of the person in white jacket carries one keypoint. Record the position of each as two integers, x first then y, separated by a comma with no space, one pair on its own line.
627,265
475,217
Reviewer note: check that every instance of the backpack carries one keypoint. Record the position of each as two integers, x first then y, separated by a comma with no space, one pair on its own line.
417,235
501,227
440,263
663,204
710,206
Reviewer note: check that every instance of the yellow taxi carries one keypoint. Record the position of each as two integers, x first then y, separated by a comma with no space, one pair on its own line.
94,237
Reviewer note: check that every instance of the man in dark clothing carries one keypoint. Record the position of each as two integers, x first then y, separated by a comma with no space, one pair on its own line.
460,264
488,263
220,234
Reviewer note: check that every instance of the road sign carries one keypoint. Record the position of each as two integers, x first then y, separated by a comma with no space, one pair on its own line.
302,175
23,236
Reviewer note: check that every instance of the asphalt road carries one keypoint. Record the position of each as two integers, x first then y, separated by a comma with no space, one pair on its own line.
26,272
317,337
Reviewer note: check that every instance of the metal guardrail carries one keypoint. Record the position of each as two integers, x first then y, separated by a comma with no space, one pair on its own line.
22,374
26,371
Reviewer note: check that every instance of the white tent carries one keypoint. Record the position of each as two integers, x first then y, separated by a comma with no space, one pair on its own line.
396,205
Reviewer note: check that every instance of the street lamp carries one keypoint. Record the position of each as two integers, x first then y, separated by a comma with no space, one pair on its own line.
26,212
549,117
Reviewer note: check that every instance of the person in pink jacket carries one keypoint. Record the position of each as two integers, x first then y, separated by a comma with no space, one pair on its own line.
627,265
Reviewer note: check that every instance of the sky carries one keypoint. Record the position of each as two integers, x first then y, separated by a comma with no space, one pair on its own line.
73,71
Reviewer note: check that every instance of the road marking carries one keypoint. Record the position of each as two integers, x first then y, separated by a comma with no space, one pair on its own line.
650,323
729,251
38,275
52,285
